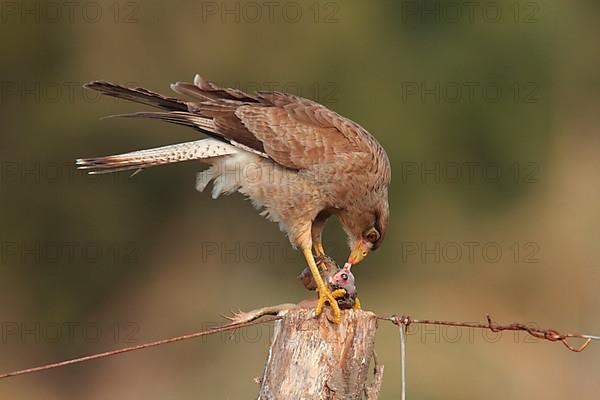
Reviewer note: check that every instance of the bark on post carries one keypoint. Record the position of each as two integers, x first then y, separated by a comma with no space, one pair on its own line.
312,358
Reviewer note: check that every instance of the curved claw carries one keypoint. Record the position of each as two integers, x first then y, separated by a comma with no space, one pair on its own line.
327,296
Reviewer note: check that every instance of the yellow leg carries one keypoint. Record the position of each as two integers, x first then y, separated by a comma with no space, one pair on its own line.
320,254
319,251
325,295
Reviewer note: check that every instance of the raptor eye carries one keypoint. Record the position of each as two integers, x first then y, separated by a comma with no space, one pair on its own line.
372,235
345,276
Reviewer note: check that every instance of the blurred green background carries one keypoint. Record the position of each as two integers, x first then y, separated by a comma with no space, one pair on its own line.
457,94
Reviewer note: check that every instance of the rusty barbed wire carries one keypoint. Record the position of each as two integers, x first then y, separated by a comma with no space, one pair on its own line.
403,322
551,335
219,329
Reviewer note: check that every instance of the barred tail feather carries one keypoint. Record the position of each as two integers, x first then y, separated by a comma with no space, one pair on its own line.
136,160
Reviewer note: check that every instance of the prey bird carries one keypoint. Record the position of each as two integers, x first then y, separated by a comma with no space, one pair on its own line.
296,160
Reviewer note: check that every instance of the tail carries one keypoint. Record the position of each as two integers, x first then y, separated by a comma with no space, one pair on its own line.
138,160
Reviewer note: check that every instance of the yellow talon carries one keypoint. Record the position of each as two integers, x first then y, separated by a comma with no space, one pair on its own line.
330,297
356,305
325,295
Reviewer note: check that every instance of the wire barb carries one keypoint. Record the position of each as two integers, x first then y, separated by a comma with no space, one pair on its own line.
551,335
402,322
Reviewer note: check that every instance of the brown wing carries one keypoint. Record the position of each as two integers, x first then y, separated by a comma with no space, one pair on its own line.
295,132
299,133
214,115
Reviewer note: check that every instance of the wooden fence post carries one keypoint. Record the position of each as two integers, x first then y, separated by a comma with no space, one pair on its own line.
312,358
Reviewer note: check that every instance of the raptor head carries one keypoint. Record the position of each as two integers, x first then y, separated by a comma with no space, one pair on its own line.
365,226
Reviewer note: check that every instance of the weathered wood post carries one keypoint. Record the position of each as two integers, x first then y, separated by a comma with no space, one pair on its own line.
312,358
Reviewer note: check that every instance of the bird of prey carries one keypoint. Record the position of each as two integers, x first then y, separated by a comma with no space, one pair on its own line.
296,160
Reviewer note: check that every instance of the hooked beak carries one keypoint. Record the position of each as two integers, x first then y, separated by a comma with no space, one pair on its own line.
357,254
